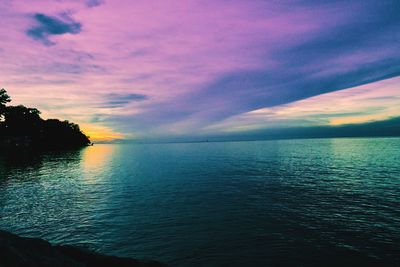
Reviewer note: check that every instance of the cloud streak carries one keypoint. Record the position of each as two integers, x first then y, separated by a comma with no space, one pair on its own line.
362,104
114,100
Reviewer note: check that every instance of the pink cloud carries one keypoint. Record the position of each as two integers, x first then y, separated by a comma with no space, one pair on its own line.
170,51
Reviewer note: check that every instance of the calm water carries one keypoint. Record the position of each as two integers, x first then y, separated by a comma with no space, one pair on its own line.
293,202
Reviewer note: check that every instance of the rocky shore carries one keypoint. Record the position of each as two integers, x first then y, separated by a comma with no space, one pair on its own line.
35,252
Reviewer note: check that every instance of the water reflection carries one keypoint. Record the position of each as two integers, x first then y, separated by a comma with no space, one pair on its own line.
25,165
89,165
95,162
44,194
231,204
14,162
97,157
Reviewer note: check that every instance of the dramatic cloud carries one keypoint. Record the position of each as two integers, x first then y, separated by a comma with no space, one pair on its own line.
362,104
384,128
48,26
181,68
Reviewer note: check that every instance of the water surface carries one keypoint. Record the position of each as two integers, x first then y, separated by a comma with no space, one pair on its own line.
281,203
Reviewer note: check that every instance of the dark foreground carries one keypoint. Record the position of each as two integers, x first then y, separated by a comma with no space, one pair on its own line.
32,252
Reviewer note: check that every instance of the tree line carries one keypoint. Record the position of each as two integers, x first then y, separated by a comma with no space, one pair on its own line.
22,126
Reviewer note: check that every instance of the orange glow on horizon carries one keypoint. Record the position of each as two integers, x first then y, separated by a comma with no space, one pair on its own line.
365,103
98,133
360,119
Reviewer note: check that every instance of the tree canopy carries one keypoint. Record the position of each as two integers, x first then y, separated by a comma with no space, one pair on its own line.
22,126
4,97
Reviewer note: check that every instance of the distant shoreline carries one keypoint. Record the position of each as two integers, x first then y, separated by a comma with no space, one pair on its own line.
239,140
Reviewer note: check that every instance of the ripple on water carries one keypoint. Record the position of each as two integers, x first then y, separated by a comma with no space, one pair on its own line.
214,204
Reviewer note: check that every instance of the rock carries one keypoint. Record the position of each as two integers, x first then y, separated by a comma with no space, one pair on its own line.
35,252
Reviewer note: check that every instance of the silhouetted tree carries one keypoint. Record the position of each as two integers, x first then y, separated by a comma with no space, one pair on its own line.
23,126
4,99
55,130
20,120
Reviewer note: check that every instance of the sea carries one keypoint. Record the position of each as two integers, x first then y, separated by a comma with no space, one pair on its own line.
306,202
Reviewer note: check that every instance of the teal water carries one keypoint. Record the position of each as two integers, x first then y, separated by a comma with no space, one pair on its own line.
279,203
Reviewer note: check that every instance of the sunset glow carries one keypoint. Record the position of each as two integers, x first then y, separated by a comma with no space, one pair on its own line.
150,69
366,103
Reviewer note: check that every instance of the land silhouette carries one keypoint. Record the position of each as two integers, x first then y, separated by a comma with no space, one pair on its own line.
35,252
22,127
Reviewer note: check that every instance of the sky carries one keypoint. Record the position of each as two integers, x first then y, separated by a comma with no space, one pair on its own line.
147,69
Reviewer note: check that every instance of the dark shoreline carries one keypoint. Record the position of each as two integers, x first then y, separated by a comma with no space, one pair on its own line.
18,251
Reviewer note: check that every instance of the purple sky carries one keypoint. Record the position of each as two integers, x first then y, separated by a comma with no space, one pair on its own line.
153,69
